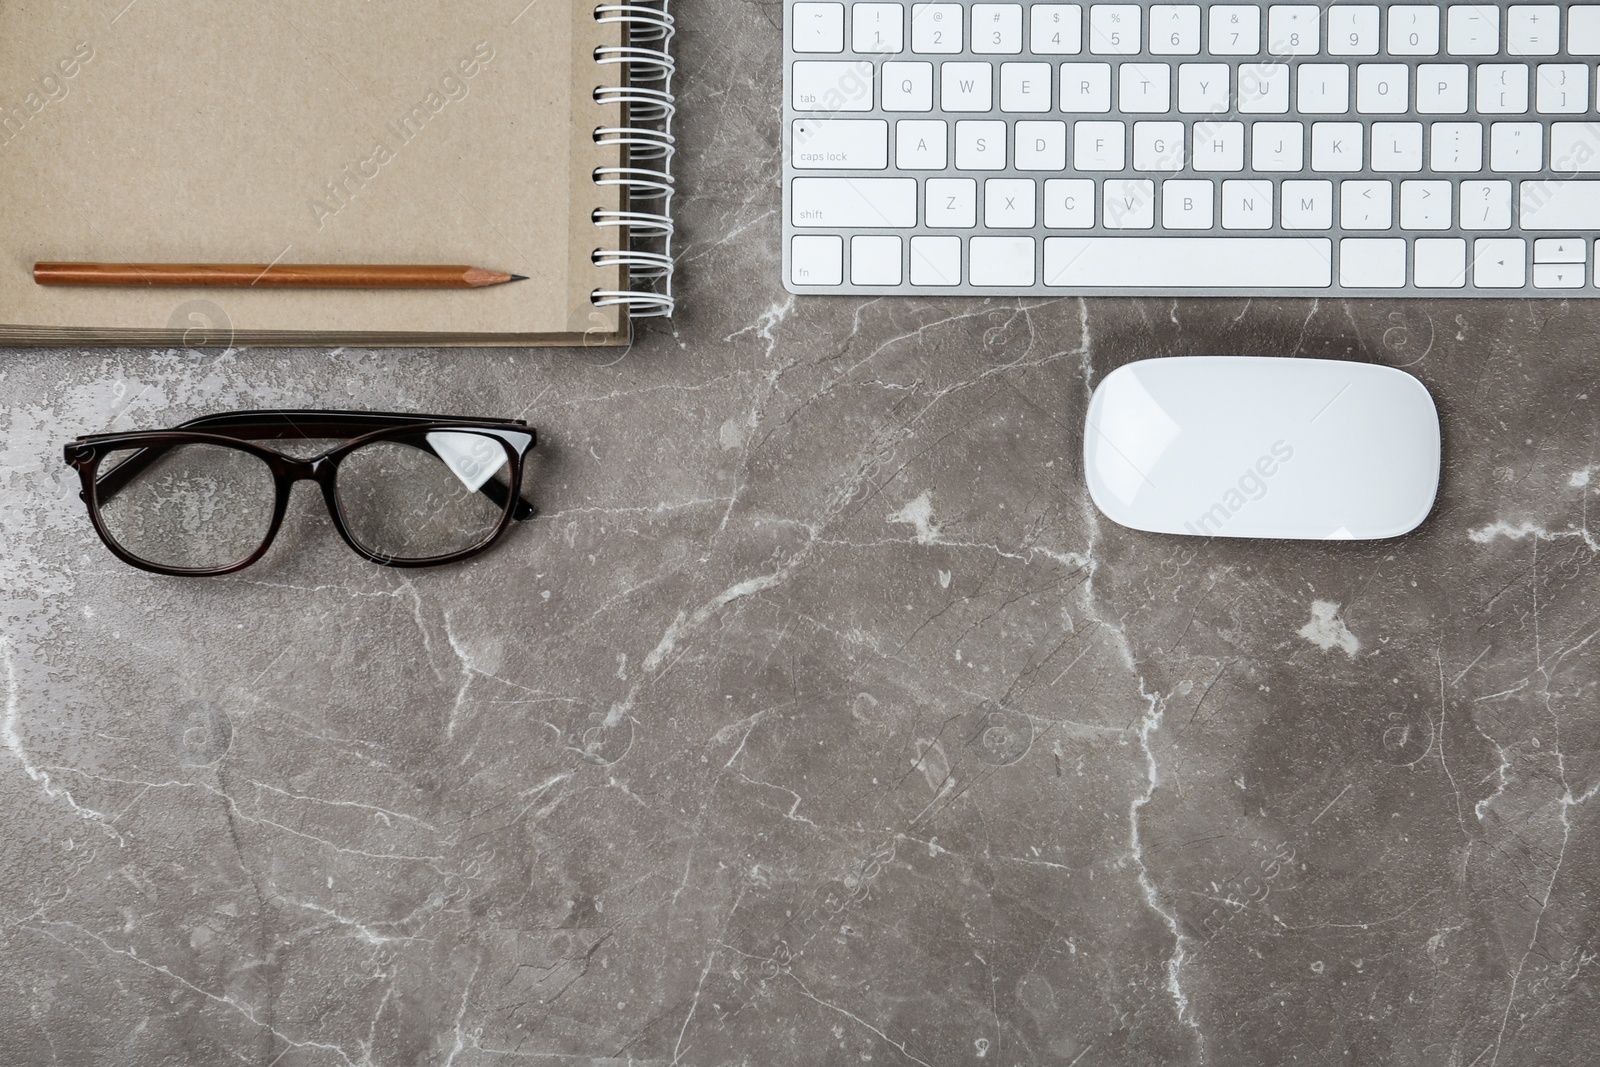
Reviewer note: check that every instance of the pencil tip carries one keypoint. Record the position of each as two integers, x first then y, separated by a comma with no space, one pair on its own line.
517,278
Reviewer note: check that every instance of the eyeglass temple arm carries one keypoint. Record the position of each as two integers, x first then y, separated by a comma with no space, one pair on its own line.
281,425
498,493
275,426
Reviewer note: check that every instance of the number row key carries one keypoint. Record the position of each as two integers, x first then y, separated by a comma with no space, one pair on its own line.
1464,29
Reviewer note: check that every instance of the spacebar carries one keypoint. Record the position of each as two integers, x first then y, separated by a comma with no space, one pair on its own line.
1188,262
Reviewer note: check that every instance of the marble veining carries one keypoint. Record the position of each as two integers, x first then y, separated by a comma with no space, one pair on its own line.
819,719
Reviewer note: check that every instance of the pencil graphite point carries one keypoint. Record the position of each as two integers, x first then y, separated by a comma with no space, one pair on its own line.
517,278
479,277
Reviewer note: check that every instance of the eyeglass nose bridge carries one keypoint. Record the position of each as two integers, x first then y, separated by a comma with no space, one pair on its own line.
290,470
287,472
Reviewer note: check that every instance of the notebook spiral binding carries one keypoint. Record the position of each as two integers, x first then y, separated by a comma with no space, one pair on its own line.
648,107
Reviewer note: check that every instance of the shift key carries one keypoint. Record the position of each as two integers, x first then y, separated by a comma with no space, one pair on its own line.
841,144
854,202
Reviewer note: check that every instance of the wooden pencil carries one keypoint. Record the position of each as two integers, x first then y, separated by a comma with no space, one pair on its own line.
271,275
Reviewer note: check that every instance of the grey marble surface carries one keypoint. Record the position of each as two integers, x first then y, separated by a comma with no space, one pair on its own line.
820,719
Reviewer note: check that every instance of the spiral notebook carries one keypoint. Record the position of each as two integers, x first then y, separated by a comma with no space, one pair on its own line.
528,137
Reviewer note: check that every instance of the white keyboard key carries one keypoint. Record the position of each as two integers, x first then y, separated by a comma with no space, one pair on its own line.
1440,263
921,144
936,28
831,86
1426,204
952,203
1457,147
1144,88
1175,30
1473,30
1396,146
1234,30
1025,87
818,28
1219,146
1276,146
1055,29
1574,147
1503,88
1114,29
841,144
1294,29
1188,262
1414,30
1560,250
1001,261
1246,204
1187,204
1486,205
1158,146
1264,89
1041,145
1336,146
875,259
878,29
1561,205
1516,146
1442,88
847,203
1203,88
1372,263
1130,204
1383,89
1307,205
1352,30
1069,203
1558,276
1500,263
1366,205
935,260
1085,88
966,87
1098,146
997,29
1533,29
816,259
1563,89
1583,30
981,144
907,86
1324,89
1008,203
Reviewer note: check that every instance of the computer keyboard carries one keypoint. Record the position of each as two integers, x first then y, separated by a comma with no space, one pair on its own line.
1191,149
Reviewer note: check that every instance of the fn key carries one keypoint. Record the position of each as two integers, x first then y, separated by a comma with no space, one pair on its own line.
816,259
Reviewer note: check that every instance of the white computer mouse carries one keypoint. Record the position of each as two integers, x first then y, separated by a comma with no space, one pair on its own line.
1252,446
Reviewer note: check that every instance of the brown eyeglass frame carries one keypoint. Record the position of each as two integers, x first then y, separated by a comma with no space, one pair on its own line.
240,429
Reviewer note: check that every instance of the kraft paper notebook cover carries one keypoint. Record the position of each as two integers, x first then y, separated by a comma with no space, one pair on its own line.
335,131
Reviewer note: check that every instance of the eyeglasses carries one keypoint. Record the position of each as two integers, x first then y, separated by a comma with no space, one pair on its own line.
403,490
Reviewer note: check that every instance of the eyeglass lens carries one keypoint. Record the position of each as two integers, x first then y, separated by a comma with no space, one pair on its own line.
417,497
194,506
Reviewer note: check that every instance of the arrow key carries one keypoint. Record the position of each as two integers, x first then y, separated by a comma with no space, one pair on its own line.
1560,250
1557,276
1500,263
